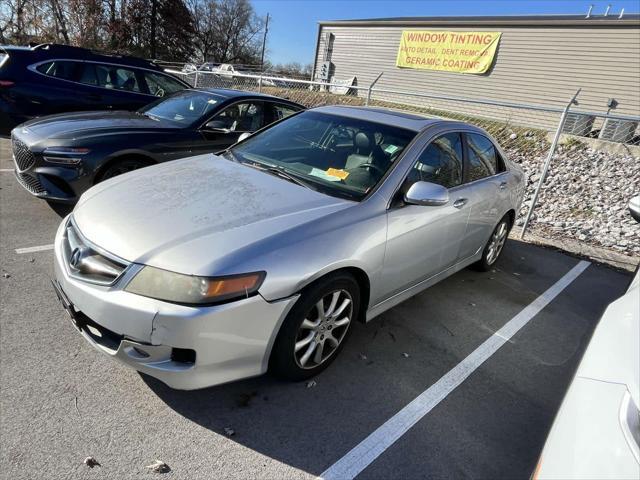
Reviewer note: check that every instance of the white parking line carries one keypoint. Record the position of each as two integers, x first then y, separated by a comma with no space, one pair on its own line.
6,169
39,248
375,444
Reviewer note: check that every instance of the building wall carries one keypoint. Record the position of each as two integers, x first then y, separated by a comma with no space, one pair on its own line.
533,64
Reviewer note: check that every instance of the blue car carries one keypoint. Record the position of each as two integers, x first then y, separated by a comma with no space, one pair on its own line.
49,78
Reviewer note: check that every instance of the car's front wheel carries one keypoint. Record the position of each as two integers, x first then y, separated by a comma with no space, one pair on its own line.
316,328
124,165
494,246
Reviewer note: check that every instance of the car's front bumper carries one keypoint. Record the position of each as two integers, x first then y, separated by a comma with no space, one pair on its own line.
57,182
230,341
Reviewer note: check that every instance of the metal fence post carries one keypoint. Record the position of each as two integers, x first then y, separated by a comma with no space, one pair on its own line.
195,81
370,87
260,83
547,162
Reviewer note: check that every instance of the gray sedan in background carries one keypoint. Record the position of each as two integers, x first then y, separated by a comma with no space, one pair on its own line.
215,268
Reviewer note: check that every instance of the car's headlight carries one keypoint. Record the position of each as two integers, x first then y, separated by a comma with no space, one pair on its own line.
64,155
176,287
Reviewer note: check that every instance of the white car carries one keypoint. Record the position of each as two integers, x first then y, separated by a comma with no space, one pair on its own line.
596,434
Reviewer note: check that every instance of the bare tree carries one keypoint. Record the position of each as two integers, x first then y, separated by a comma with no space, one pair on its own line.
226,31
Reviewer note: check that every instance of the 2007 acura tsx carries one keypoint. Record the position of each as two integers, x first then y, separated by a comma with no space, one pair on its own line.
215,268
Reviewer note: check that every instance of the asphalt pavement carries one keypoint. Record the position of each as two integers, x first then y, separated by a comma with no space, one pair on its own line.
62,401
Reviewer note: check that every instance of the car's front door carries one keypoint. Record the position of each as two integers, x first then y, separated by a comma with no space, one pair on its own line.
422,241
224,129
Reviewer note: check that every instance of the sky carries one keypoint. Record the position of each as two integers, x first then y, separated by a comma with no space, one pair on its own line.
293,26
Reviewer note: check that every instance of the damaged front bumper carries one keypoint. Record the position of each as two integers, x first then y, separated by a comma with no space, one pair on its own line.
185,347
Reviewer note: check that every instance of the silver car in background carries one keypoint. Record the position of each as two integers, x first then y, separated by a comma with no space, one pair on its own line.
215,268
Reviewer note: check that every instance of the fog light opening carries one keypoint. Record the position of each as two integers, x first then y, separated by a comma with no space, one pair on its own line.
183,355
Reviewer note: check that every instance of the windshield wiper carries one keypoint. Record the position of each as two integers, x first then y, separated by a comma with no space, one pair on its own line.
280,172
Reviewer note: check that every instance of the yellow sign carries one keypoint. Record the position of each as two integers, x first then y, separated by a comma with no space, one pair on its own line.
463,52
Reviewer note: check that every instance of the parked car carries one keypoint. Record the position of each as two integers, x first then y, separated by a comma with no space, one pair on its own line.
47,79
596,433
60,156
200,272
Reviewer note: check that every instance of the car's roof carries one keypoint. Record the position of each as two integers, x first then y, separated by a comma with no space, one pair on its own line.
386,116
229,93
52,50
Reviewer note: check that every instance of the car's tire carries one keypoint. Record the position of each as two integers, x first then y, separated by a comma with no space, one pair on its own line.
123,165
494,246
325,332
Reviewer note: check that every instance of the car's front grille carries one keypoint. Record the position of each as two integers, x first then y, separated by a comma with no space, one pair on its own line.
23,157
31,183
85,262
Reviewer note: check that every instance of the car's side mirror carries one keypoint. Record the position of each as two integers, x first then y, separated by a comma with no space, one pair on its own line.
217,126
244,136
427,194
634,208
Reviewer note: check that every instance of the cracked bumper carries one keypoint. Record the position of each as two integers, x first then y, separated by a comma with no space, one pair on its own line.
230,341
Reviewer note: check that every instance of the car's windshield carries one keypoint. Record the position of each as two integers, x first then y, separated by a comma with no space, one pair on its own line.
341,156
184,108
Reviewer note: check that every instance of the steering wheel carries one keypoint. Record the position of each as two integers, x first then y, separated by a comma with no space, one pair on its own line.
373,167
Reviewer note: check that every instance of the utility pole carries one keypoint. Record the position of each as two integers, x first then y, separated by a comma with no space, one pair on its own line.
154,14
264,42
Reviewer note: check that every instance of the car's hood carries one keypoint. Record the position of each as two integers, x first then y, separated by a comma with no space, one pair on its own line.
84,124
192,215
613,355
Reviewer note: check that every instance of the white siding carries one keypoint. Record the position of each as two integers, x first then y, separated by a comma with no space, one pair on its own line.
534,64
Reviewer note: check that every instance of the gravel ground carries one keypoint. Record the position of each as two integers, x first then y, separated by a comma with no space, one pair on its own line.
584,198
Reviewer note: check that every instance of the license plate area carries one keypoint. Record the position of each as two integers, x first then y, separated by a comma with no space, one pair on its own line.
67,305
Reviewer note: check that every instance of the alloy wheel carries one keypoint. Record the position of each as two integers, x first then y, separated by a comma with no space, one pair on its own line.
323,329
496,242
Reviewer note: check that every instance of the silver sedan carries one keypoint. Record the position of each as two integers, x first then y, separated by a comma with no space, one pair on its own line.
215,268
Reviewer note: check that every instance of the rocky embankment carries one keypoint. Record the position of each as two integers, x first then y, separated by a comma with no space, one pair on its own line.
585,197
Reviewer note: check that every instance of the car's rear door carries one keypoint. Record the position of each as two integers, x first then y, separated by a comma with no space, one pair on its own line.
423,241
52,88
486,188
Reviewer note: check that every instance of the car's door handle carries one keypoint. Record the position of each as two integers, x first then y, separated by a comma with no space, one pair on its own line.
461,202
503,185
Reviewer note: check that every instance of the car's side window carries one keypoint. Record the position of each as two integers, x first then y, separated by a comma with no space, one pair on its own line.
440,162
161,85
281,111
484,159
109,76
240,117
63,69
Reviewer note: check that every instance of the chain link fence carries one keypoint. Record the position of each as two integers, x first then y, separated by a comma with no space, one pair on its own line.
582,167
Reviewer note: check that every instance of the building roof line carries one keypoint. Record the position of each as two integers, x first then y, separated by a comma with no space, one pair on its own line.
628,19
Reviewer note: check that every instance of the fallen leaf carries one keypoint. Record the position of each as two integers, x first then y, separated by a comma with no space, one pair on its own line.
229,432
362,356
91,462
406,355
472,304
31,260
6,275
311,384
159,467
